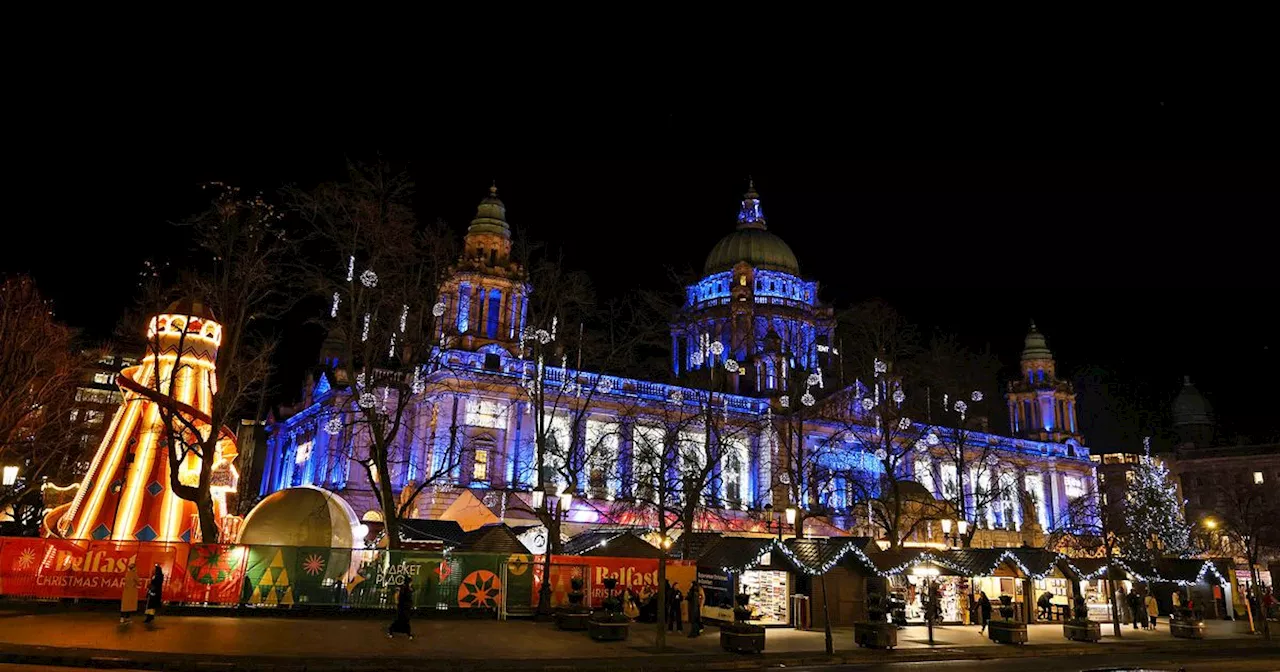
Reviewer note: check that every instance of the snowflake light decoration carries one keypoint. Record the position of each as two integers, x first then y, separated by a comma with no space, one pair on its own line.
813,379
785,400
961,407
808,399
677,397
367,400
899,396
932,439
717,348
438,309
904,423
731,365
333,425
543,336
369,278
867,403
976,396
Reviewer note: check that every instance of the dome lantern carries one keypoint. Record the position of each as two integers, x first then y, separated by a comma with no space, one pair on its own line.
752,242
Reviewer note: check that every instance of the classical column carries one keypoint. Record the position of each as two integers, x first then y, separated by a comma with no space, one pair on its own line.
1054,486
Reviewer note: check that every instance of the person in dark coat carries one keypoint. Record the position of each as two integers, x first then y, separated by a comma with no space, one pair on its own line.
1135,606
984,608
404,610
155,593
1046,605
673,607
695,609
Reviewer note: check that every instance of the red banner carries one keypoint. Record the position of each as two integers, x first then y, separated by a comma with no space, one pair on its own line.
633,574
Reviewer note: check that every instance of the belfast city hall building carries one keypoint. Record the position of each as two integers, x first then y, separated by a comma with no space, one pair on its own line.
750,353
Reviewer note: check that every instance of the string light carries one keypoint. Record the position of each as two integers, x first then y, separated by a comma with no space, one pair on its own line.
404,318
391,352
351,268
333,312
364,335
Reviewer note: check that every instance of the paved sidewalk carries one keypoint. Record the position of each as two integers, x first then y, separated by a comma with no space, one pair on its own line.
95,638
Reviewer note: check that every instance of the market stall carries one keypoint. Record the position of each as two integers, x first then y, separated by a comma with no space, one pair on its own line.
756,566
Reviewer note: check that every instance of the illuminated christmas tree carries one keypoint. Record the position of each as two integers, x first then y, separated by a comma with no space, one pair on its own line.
1154,524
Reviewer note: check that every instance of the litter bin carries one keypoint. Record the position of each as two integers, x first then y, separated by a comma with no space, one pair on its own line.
800,611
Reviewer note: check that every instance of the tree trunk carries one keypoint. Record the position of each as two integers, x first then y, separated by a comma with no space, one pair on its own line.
1111,597
544,591
660,641
208,522
826,616
390,509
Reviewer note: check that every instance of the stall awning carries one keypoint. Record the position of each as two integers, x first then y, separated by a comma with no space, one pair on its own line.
888,563
818,556
737,554
1032,563
616,543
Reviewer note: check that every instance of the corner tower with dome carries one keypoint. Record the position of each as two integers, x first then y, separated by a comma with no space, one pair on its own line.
752,299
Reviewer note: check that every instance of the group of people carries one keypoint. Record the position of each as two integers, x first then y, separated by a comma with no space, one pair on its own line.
643,606
1143,609
129,595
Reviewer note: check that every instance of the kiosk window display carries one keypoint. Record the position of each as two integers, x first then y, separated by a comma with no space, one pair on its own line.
911,589
770,592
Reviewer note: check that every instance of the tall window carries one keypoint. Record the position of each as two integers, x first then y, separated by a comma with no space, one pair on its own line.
924,474
1034,484
950,483
559,443
1007,502
480,466
464,307
693,461
647,458
733,470
494,312
1073,486
602,450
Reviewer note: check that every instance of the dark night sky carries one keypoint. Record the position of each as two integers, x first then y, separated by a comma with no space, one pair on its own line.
1149,269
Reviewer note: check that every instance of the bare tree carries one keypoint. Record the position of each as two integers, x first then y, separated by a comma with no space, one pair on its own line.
1251,523
1092,530
379,273
40,367
973,475
237,272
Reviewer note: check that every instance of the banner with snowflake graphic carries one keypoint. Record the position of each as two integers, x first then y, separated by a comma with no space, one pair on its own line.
320,574
214,573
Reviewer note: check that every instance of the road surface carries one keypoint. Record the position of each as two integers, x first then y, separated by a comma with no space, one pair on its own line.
1206,661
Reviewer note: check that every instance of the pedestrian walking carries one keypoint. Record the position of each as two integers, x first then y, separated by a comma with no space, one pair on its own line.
1135,606
695,609
1153,610
674,597
984,608
155,593
404,610
129,595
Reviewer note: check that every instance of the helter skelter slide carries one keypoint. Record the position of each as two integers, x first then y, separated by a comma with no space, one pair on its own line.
126,493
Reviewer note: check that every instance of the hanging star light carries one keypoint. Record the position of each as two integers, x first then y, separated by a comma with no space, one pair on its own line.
367,400
808,399
369,278
717,348
333,425
961,407
813,379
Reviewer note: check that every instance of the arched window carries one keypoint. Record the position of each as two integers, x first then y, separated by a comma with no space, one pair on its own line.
494,312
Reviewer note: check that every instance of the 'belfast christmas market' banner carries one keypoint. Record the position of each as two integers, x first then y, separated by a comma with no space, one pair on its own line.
262,576
633,574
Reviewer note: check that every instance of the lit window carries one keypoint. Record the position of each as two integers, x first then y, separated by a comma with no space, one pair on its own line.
93,417
480,470
1257,478
102,378
486,413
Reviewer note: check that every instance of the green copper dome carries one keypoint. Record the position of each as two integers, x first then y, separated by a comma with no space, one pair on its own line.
491,215
1035,347
752,243
1190,407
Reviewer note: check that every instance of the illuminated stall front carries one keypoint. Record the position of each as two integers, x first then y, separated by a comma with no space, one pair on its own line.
751,565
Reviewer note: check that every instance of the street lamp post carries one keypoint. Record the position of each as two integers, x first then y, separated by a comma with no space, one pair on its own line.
553,508
928,573
771,517
957,540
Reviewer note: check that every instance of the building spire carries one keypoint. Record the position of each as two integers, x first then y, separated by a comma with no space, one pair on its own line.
750,216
